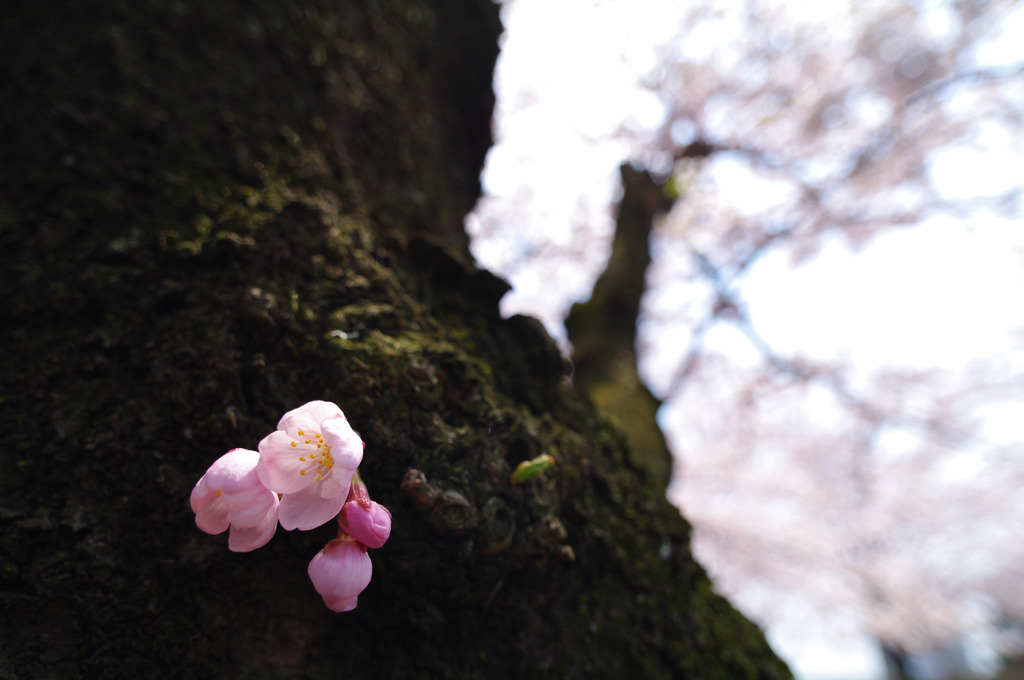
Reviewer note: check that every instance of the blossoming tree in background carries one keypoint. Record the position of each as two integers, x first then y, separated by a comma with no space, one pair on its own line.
829,454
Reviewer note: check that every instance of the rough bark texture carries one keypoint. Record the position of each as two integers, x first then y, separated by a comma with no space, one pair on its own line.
213,212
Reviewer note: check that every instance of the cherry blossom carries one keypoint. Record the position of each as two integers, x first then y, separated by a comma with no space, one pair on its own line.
340,572
231,494
305,473
310,460
365,520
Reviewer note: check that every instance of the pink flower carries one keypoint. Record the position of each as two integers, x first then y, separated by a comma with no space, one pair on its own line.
365,520
310,460
340,572
231,494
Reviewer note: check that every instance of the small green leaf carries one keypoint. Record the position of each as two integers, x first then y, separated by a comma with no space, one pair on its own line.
529,469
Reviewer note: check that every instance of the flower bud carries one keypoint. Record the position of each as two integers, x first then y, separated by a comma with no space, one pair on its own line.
340,572
366,521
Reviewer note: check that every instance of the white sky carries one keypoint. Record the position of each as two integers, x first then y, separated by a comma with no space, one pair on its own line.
571,109
942,294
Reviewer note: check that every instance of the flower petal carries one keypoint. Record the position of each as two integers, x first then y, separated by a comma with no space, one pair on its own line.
245,540
308,417
202,496
346,445
211,516
307,509
233,472
280,462
337,483
254,511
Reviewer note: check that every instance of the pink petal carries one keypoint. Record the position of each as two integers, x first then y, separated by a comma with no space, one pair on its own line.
279,466
233,472
331,487
254,511
308,417
202,496
338,484
245,540
346,445
241,500
212,518
307,509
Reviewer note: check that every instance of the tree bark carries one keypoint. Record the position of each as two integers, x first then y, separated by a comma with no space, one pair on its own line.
603,330
214,212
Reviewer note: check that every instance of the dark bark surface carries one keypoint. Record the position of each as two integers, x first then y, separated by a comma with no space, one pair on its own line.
214,212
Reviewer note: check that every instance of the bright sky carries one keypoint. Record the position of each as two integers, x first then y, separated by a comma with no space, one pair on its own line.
956,302
571,109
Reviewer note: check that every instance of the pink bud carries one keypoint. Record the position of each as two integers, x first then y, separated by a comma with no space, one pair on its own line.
366,521
340,572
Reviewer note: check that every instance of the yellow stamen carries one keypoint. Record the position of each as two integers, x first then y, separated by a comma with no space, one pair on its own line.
302,472
294,444
218,493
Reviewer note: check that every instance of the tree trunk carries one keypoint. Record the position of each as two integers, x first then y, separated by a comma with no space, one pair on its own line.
603,330
895,662
214,212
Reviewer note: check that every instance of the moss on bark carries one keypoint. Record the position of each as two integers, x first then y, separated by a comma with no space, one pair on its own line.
214,212
603,329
